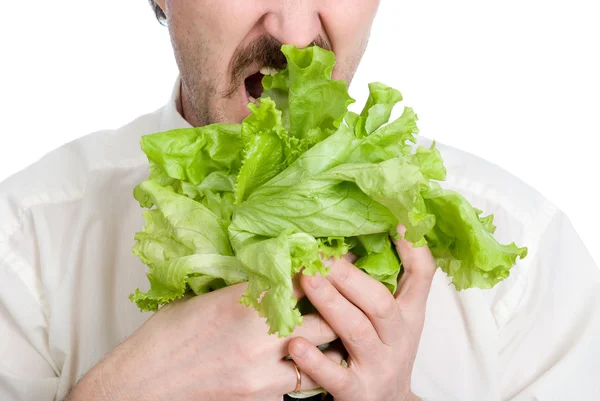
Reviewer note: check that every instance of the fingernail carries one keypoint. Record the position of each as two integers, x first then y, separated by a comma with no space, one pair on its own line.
315,281
299,348
401,229
328,262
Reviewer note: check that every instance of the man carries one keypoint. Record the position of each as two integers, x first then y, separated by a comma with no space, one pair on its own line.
66,269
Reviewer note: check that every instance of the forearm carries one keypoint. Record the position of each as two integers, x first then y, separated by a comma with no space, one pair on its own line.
88,388
95,386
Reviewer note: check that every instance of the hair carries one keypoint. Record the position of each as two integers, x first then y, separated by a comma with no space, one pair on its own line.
160,15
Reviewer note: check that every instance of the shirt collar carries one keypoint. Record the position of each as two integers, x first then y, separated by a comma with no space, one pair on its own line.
171,117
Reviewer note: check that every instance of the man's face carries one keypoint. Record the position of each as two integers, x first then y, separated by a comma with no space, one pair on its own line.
221,45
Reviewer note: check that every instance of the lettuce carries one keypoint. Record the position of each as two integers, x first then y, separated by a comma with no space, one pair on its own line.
299,179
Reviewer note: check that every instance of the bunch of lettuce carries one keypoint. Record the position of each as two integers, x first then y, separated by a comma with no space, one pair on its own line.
302,178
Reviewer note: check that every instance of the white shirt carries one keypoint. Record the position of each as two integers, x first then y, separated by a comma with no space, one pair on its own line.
67,225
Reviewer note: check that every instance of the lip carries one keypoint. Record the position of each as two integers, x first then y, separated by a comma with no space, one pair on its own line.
243,94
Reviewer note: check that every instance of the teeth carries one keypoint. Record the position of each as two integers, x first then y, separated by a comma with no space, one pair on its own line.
253,100
267,70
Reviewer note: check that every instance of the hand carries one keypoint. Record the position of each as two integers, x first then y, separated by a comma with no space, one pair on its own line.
381,332
208,347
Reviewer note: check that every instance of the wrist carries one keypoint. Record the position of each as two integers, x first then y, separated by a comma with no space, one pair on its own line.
98,384
90,388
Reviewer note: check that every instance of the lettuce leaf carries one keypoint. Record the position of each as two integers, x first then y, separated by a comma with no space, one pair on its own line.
299,180
265,147
378,258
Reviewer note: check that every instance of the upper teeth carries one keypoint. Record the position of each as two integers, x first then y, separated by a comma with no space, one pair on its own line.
267,70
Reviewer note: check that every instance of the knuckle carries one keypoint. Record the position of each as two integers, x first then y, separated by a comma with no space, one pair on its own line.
387,307
344,274
330,301
404,303
424,267
324,295
345,382
424,275
361,333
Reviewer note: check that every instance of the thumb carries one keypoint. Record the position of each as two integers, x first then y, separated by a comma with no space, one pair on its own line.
419,267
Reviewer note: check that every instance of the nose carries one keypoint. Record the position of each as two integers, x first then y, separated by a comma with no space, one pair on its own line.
293,22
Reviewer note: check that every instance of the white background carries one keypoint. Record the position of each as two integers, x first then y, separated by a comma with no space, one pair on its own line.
516,82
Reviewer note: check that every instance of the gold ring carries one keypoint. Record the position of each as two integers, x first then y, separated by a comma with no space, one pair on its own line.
298,378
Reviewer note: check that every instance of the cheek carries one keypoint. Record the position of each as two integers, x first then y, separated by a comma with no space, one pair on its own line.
350,21
206,33
348,27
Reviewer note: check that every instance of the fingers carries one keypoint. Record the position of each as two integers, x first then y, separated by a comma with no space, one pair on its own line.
350,257
372,297
349,322
320,369
306,381
419,268
298,291
314,329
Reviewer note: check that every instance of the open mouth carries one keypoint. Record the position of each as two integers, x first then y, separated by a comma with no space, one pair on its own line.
253,83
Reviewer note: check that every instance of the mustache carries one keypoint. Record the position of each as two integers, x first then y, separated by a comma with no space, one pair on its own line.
264,51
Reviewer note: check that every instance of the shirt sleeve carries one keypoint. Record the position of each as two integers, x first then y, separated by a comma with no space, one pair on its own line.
550,347
27,370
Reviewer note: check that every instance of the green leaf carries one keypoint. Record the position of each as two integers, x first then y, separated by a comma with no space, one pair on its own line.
395,184
301,179
265,148
314,101
169,280
183,215
380,103
322,157
305,253
333,247
156,244
430,162
269,268
317,207
221,204
191,154
381,260
388,141
464,247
